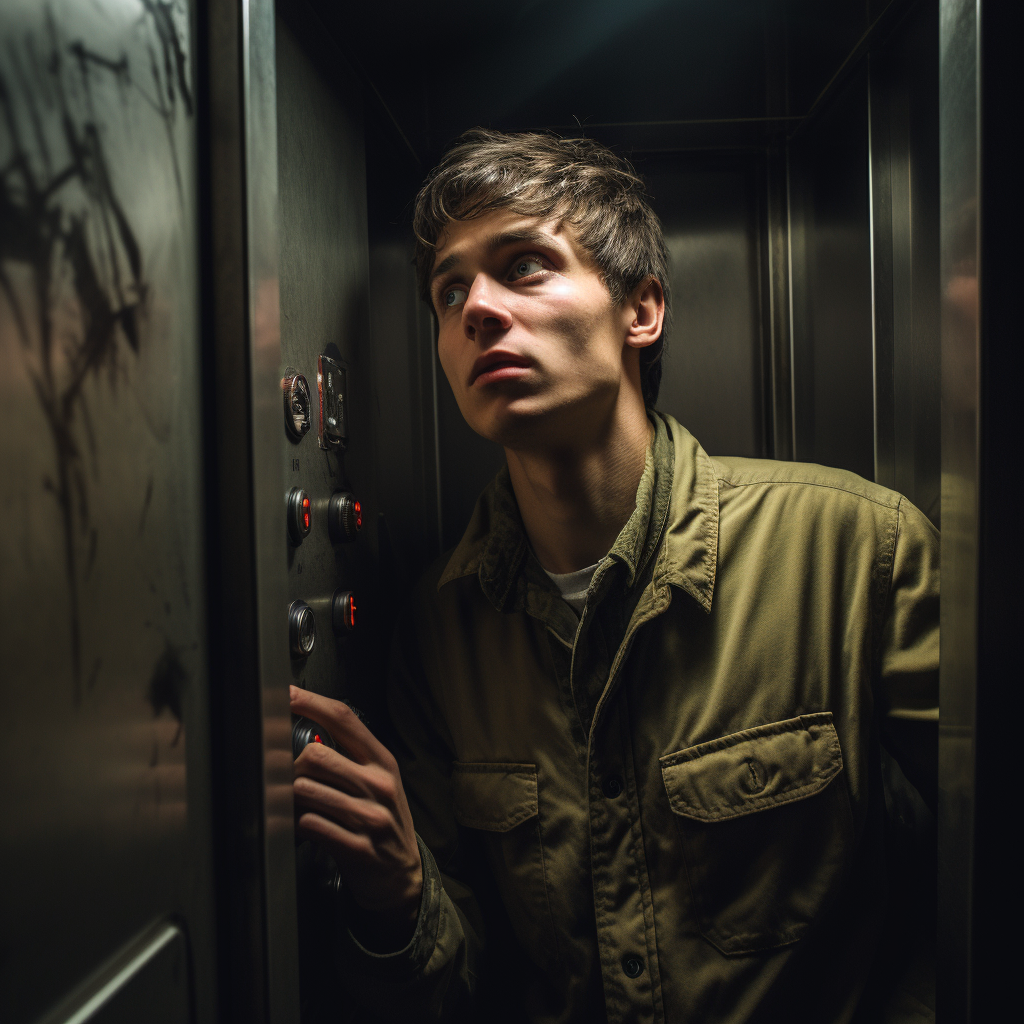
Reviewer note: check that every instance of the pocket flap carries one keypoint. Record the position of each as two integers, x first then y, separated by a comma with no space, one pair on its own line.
495,797
754,769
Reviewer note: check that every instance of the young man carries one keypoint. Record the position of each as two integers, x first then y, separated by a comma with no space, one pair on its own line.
640,708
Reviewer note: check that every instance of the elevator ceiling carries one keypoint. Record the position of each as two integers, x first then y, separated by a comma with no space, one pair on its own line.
654,67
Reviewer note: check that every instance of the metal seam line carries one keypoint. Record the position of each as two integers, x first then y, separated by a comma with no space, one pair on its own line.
166,935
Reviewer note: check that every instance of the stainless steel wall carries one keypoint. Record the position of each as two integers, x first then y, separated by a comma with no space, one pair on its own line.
106,833
904,166
712,213
830,253
981,271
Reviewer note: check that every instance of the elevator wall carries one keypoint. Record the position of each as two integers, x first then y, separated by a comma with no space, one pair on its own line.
713,374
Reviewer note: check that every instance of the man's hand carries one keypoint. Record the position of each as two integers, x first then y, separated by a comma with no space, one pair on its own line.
353,803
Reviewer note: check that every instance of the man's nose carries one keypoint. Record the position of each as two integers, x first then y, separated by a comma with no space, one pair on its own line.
485,309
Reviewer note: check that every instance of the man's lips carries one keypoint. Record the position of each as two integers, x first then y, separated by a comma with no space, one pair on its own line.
497,365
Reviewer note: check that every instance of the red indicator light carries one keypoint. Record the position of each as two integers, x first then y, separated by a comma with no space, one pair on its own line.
316,738
352,611
359,508
305,502
305,519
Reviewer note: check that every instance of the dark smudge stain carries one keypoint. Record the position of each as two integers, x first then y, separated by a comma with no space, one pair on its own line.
167,686
85,246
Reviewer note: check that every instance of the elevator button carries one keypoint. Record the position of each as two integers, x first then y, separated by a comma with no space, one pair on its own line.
297,405
343,611
306,731
331,384
301,629
300,515
344,517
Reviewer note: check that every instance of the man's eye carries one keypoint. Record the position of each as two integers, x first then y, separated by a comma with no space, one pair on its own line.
526,266
453,297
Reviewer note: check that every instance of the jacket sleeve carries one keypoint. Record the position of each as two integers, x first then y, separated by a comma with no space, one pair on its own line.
909,652
434,977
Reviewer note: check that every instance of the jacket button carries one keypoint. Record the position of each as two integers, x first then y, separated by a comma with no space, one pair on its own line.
612,786
633,966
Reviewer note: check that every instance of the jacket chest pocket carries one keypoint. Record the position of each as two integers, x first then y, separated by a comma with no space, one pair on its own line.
500,802
765,827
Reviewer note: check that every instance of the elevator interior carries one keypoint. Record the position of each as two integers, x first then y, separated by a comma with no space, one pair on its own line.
228,447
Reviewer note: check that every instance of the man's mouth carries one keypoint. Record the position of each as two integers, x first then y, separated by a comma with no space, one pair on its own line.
497,364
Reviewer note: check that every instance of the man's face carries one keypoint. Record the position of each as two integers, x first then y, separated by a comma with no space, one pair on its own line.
532,344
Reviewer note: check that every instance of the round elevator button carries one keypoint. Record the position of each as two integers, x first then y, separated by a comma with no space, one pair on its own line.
301,629
344,517
612,786
632,966
343,611
306,731
300,515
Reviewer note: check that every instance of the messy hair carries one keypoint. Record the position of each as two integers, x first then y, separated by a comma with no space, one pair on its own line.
598,193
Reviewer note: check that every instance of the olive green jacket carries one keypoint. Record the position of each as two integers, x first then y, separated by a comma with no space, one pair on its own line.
674,810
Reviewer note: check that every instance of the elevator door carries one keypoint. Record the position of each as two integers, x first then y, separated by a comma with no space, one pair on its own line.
105,838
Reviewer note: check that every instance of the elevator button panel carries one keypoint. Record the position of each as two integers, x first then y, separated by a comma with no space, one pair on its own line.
332,425
344,517
297,405
301,629
343,611
300,515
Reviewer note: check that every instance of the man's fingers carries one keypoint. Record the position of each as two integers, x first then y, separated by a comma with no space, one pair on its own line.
342,723
370,781
345,845
354,813
319,761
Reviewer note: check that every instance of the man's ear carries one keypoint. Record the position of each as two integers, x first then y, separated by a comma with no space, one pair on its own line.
647,303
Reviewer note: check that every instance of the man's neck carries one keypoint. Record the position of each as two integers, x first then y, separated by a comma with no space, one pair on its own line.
575,500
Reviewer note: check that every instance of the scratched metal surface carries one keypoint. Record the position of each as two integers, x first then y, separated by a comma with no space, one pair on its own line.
104,780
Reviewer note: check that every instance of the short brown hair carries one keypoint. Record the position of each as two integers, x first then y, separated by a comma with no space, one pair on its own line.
533,174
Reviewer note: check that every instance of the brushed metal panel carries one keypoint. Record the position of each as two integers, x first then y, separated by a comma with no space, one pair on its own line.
261,174
104,772
831,285
905,219
713,363
959,139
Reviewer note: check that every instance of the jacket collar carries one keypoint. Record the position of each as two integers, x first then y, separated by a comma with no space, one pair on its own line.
689,554
677,508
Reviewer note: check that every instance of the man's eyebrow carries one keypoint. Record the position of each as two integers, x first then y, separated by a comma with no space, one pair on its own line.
495,243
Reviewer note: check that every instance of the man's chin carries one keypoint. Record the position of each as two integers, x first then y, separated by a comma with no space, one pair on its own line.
513,424
529,423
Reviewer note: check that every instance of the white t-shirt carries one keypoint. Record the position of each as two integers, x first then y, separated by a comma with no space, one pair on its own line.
573,586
